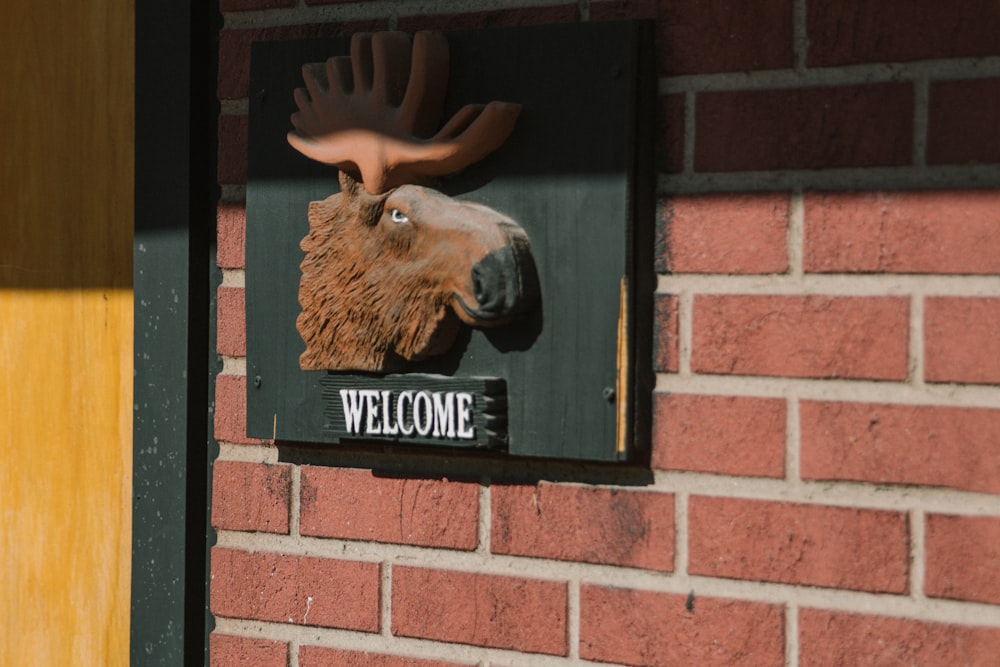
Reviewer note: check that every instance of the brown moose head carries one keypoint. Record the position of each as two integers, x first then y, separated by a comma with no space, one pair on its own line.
393,268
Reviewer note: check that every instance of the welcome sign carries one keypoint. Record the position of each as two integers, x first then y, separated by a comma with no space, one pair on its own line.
540,344
418,409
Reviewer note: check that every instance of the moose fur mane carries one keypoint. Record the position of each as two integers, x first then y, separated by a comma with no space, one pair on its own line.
361,309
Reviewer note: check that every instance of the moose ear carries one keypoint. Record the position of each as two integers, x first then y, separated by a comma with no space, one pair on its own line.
369,207
349,185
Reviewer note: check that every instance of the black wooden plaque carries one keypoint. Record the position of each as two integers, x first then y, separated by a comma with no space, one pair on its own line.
576,174
416,409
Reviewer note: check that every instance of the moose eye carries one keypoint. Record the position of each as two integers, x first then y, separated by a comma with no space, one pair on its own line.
398,216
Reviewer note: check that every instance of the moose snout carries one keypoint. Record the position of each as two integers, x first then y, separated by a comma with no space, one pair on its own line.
504,282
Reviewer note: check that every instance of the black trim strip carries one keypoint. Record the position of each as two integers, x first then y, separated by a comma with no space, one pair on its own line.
175,194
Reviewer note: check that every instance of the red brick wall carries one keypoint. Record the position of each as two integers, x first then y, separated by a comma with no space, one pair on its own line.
826,459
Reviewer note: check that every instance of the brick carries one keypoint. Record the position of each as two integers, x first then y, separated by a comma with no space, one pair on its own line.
961,122
315,656
808,128
739,233
249,5
644,628
670,125
358,505
801,336
607,526
903,232
833,639
666,333
233,651
900,31
725,435
231,339
789,543
234,48
300,590
483,610
231,410
501,18
963,558
231,222
901,444
232,150
962,340
697,37
251,496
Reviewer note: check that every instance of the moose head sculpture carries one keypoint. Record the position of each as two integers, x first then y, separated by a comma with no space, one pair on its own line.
393,268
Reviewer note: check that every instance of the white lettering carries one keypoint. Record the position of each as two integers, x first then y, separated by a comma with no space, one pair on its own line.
388,427
466,429
352,409
444,414
423,413
372,426
404,397
439,414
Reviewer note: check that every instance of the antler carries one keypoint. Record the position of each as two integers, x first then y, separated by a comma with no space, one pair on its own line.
360,114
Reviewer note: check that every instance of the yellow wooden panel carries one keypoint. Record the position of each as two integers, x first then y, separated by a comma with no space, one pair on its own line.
66,89
65,394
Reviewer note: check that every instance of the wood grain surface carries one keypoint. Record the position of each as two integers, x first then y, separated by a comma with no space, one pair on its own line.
66,110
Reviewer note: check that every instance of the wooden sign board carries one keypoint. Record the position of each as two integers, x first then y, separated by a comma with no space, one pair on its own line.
416,409
573,379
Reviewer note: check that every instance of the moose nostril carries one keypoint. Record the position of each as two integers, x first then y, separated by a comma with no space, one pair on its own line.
487,286
479,288
504,283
